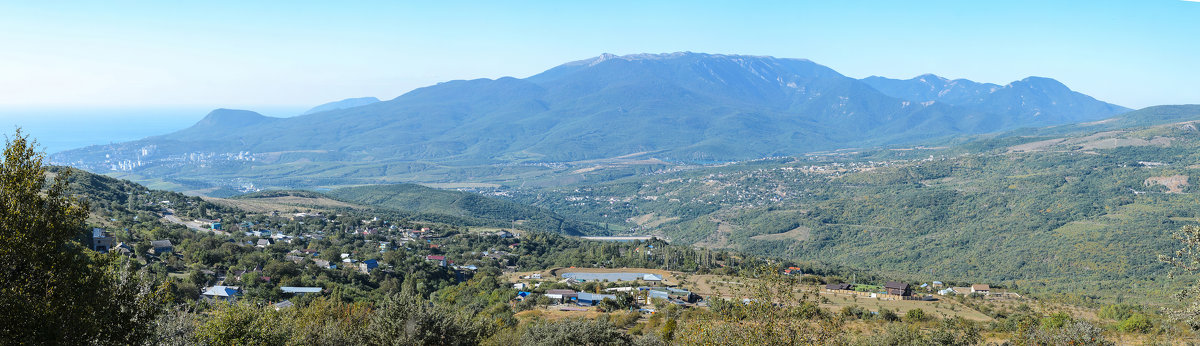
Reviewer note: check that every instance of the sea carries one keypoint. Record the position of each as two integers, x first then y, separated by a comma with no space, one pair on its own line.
63,128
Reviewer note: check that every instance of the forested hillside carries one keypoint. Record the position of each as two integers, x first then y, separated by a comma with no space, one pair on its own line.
1086,213
497,212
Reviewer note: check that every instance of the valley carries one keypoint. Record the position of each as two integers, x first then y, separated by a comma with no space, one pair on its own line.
949,173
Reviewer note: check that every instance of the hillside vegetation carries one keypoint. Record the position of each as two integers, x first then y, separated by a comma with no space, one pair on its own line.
424,200
379,278
1086,214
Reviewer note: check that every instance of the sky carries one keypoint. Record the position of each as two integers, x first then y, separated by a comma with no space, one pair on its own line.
261,54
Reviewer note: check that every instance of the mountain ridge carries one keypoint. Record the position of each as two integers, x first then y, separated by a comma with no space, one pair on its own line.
342,104
1033,100
685,107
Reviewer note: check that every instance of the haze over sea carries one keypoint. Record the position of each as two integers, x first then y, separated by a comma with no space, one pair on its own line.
58,129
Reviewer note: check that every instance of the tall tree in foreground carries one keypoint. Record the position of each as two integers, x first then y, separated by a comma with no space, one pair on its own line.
1187,259
53,291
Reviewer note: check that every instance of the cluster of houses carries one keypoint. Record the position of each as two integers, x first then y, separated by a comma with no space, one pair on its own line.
892,290
103,242
231,294
983,289
902,291
261,238
669,294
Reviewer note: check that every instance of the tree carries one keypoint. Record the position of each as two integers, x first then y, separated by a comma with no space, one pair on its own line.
574,331
915,315
54,290
243,324
1187,259
406,319
1073,333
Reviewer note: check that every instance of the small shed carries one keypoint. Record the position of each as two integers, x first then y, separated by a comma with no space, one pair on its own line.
561,294
839,287
898,288
161,246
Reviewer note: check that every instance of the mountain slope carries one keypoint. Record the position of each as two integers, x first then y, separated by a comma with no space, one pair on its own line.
421,199
682,107
1031,101
343,104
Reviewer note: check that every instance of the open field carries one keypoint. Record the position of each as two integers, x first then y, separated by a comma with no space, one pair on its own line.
553,274
799,233
281,204
558,312
460,185
720,286
652,220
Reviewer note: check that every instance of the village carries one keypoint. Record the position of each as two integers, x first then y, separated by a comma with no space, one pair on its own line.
311,244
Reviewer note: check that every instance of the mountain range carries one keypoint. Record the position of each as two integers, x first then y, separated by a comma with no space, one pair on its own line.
679,107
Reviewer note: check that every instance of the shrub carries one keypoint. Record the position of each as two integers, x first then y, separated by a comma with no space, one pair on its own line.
888,315
1136,323
574,332
1055,321
915,315
1074,333
1119,312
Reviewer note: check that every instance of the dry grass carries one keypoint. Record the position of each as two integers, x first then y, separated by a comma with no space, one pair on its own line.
736,288
652,220
281,204
555,312
799,233
1174,183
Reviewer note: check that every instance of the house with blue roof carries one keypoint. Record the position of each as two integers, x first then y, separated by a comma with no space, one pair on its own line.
593,299
222,293
366,266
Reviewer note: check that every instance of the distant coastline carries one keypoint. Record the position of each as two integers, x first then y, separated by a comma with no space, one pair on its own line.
64,128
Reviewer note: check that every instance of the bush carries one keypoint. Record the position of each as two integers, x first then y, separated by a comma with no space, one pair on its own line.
242,324
1119,312
574,332
915,315
1055,321
1074,333
888,315
404,319
1137,323
855,312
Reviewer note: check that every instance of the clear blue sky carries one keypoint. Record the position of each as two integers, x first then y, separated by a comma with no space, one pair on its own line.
251,54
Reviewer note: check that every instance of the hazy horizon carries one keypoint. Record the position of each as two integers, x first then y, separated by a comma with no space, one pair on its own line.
225,54
104,125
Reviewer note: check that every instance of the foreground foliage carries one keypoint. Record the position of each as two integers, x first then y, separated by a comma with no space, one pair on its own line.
54,291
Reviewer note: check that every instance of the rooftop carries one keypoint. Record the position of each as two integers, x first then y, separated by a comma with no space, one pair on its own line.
288,289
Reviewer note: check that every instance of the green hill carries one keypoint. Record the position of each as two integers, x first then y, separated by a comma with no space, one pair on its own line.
425,200
1081,214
